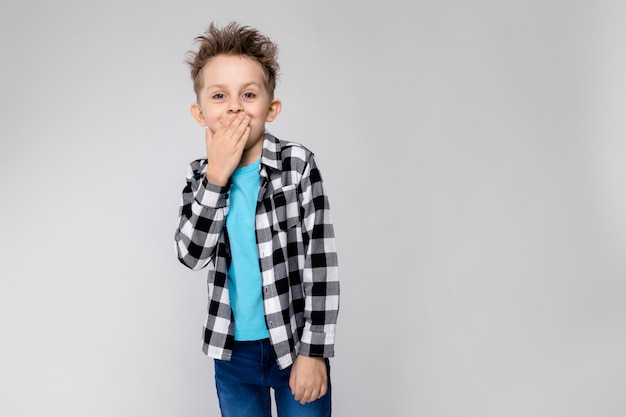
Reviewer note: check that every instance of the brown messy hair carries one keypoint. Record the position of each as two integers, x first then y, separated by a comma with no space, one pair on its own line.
234,39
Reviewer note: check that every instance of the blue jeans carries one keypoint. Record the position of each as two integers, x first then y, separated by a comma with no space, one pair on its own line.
243,385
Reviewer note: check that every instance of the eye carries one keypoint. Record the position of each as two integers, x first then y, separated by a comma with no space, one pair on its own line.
218,96
249,95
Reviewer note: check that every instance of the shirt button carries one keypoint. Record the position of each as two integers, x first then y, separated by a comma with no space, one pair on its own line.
271,324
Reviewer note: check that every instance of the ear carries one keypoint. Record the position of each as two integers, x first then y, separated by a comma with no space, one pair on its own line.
196,113
274,110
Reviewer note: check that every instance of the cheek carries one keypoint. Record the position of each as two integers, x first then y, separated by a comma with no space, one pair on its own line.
212,118
259,117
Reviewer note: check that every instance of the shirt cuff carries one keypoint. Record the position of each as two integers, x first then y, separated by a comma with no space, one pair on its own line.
317,344
211,195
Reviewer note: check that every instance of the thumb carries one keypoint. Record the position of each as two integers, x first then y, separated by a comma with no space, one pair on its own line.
208,134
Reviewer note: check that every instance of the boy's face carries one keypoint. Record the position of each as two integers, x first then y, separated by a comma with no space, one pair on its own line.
234,84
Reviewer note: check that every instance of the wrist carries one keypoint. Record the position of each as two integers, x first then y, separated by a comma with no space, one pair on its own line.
216,178
310,358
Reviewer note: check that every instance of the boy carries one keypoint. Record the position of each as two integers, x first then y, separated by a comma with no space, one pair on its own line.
255,213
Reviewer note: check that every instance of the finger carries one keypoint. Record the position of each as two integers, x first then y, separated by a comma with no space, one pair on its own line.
233,120
313,395
323,391
310,395
304,395
225,123
233,128
240,126
304,398
208,135
299,394
208,140
243,139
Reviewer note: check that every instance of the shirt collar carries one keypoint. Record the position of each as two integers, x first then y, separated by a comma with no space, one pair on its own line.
270,156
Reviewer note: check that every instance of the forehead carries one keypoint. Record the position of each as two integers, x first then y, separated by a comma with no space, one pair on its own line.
232,70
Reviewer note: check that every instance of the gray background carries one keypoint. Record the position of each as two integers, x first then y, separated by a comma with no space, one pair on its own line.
474,156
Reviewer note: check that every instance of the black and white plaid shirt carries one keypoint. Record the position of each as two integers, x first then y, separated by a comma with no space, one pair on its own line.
296,246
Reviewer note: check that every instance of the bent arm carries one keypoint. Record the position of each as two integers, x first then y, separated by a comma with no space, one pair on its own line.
202,215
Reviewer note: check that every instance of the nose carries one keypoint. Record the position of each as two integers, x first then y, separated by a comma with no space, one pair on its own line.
234,106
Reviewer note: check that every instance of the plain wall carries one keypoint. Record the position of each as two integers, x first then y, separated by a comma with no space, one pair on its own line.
473,152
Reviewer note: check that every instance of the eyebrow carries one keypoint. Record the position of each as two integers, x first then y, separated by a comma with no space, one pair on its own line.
221,86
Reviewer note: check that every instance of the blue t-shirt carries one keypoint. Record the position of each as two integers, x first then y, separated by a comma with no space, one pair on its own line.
244,274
